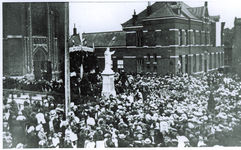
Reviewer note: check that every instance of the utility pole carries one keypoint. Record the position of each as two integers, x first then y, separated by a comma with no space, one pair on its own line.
67,64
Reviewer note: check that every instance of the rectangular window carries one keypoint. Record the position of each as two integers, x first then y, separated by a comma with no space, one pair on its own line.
120,64
200,33
139,38
180,63
140,63
185,38
155,69
194,37
180,36
155,57
226,60
194,63
210,61
214,60
165,38
186,33
148,57
186,64
206,40
148,68
200,62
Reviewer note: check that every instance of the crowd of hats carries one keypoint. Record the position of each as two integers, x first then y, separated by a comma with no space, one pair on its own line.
170,111
36,85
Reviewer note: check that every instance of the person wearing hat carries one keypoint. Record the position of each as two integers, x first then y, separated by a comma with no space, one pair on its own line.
108,141
147,143
68,142
174,143
156,136
81,138
89,142
211,140
55,141
99,138
122,142
41,135
17,132
7,140
32,138
27,110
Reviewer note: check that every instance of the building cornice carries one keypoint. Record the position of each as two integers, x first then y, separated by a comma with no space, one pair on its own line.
132,27
172,18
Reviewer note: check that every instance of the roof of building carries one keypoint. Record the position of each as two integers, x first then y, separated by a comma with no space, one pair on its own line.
166,9
103,39
142,15
215,18
186,12
74,40
237,20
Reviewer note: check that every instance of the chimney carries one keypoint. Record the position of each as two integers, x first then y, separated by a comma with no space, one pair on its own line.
206,4
149,9
176,8
134,18
74,30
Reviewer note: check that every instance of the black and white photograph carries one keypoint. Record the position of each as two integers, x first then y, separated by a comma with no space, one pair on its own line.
121,74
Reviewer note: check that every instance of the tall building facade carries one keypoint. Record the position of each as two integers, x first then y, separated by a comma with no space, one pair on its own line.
33,38
236,51
166,37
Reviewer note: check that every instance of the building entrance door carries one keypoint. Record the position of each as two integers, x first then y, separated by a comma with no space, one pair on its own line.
42,67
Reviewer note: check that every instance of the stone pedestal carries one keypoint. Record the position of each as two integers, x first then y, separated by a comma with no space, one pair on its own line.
108,86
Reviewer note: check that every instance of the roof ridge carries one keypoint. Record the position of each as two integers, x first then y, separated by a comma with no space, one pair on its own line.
196,7
164,7
103,32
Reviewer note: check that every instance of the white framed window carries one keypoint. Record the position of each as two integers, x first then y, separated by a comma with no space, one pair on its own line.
120,64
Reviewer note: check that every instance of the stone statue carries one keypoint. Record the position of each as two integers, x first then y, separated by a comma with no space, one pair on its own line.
108,87
108,60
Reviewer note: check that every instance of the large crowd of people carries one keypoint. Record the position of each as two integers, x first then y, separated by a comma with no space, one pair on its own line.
40,85
170,111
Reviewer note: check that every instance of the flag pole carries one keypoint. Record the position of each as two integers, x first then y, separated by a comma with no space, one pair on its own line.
67,65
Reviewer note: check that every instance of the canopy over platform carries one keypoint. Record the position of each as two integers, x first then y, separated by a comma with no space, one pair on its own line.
81,48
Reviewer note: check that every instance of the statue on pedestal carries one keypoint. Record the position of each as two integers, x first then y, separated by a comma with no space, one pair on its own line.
108,87
108,61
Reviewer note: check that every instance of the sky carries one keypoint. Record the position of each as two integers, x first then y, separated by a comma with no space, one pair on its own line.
102,16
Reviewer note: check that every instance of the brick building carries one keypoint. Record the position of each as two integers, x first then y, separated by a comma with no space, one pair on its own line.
236,51
33,38
166,37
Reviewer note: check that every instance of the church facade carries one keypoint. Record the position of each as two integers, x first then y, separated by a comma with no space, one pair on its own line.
33,38
166,37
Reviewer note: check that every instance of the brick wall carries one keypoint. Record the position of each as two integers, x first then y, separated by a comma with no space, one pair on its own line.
15,57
